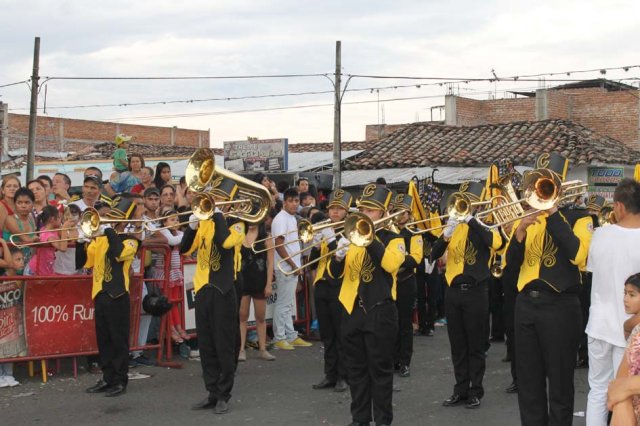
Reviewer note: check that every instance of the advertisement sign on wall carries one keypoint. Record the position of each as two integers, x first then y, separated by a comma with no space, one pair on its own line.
256,155
603,180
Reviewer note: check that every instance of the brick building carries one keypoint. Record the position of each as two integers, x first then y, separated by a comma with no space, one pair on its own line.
65,135
610,109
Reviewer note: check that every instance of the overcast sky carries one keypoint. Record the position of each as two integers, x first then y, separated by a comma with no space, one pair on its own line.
160,38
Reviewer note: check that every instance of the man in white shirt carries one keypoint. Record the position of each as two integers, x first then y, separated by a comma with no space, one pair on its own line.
613,257
284,229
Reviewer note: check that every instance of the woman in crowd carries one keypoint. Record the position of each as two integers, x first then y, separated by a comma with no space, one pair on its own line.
10,184
257,274
128,180
167,197
146,180
40,197
162,175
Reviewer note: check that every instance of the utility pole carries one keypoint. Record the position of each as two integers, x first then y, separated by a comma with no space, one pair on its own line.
336,120
33,114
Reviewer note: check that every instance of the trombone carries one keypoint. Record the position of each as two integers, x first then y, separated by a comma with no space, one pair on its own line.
202,206
306,231
202,174
91,221
458,206
359,229
13,237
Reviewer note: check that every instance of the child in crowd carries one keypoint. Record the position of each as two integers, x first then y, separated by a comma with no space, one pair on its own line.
120,161
41,263
13,264
627,411
176,279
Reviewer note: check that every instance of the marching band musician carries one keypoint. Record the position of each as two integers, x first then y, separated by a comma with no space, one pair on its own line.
370,318
406,287
110,255
550,250
470,249
216,307
328,307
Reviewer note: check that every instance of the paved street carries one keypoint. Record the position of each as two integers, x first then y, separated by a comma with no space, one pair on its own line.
267,393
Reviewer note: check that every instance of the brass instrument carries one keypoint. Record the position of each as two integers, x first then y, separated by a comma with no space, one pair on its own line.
91,222
458,207
607,216
13,237
202,173
306,231
496,270
202,206
359,229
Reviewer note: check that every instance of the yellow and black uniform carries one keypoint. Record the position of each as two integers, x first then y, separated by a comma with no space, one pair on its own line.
406,289
369,325
548,320
328,307
216,304
110,256
470,253
547,313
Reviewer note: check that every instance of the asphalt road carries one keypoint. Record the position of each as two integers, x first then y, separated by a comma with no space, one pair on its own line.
267,393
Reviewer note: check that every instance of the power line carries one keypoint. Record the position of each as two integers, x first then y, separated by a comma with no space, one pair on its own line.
15,84
220,77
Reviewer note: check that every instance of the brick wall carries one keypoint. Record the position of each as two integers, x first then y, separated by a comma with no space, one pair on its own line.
374,132
55,134
615,114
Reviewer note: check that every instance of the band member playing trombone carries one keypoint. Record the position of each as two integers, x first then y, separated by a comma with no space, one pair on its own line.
328,307
110,255
370,318
547,315
470,249
215,301
406,287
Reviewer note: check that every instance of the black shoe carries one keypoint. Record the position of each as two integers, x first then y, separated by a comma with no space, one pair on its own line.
506,358
404,371
358,424
473,402
324,384
396,366
512,388
582,363
497,339
429,332
221,407
205,404
455,399
341,386
99,387
115,390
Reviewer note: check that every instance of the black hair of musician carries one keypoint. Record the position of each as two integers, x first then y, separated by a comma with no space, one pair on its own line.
634,280
48,212
628,193
290,193
24,192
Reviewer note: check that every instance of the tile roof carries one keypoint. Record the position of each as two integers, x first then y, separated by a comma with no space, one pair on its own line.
105,150
424,144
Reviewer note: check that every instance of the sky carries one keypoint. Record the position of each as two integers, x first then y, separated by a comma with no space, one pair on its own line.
452,41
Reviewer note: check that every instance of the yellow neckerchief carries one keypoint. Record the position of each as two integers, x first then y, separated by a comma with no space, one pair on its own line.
322,264
458,252
202,242
351,281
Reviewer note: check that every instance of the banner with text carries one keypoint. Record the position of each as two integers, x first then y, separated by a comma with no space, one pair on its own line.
270,155
603,180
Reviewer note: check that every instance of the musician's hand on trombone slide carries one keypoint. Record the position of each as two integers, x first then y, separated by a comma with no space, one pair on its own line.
343,248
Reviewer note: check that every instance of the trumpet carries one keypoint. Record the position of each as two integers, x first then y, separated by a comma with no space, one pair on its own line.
202,173
203,206
607,216
359,229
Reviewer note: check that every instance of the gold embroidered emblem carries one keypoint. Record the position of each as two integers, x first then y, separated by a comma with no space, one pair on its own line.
543,251
592,199
399,198
363,268
338,194
108,276
464,186
214,260
369,190
464,253
470,254
543,161
216,182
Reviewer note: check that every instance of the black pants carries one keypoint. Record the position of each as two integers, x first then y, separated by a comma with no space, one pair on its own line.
495,309
216,324
405,300
112,333
435,297
329,311
585,304
547,330
508,313
369,340
467,311
421,298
